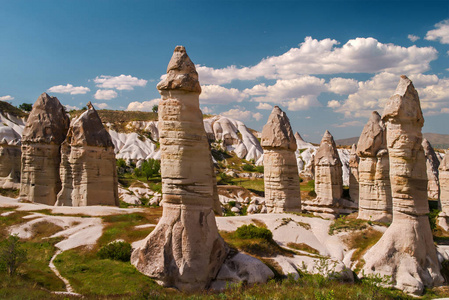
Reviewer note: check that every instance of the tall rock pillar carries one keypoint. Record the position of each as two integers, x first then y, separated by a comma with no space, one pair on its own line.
443,178
432,164
185,249
282,193
88,168
406,251
45,130
354,175
328,179
375,203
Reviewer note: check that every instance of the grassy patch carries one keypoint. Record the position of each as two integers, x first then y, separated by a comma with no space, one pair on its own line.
92,276
11,193
11,219
350,223
254,185
362,241
44,229
121,226
303,247
285,221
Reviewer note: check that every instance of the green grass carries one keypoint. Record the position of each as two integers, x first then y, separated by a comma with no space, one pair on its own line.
5,107
9,220
362,241
92,276
121,226
254,185
303,247
350,223
12,193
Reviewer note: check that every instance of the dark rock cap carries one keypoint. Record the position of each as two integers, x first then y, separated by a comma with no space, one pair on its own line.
404,105
373,137
181,73
47,123
87,130
278,133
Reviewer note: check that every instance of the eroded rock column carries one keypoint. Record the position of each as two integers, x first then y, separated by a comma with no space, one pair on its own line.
406,251
184,250
375,202
328,179
354,175
10,157
443,176
432,164
88,168
281,178
45,130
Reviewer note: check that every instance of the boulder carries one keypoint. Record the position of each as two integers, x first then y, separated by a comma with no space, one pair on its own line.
375,202
88,167
282,193
406,251
44,132
184,250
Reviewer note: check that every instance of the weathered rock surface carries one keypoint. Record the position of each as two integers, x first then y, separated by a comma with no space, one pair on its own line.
281,178
88,168
10,157
444,191
375,202
432,164
328,179
241,268
354,174
44,132
185,249
406,251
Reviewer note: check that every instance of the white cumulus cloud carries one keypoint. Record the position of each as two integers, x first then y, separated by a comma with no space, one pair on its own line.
413,37
333,104
241,114
257,116
105,94
348,124
441,33
101,105
122,82
6,98
264,106
343,86
68,89
143,106
216,94
360,55
71,107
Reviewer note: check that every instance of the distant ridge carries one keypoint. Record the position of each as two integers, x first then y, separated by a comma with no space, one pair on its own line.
438,141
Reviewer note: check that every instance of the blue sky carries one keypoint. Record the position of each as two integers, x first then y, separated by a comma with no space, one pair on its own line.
328,64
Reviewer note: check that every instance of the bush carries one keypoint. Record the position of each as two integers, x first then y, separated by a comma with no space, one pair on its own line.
116,251
253,232
433,214
248,168
259,169
150,167
11,254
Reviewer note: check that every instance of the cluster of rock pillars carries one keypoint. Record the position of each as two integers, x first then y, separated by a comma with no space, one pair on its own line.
73,164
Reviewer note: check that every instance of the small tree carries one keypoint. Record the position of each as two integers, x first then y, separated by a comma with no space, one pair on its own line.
155,108
26,107
150,167
12,255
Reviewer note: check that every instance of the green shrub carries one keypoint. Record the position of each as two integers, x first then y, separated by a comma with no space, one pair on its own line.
253,232
116,251
12,254
259,169
433,214
248,168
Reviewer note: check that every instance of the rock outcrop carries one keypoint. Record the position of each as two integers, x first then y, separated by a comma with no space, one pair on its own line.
432,164
375,201
184,250
328,179
44,132
10,157
444,192
406,251
282,193
88,168
354,175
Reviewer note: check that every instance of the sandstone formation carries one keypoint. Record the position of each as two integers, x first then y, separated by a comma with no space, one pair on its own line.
432,164
328,178
354,174
184,250
281,177
444,192
88,168
406,251
375,201
44,132
10,157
